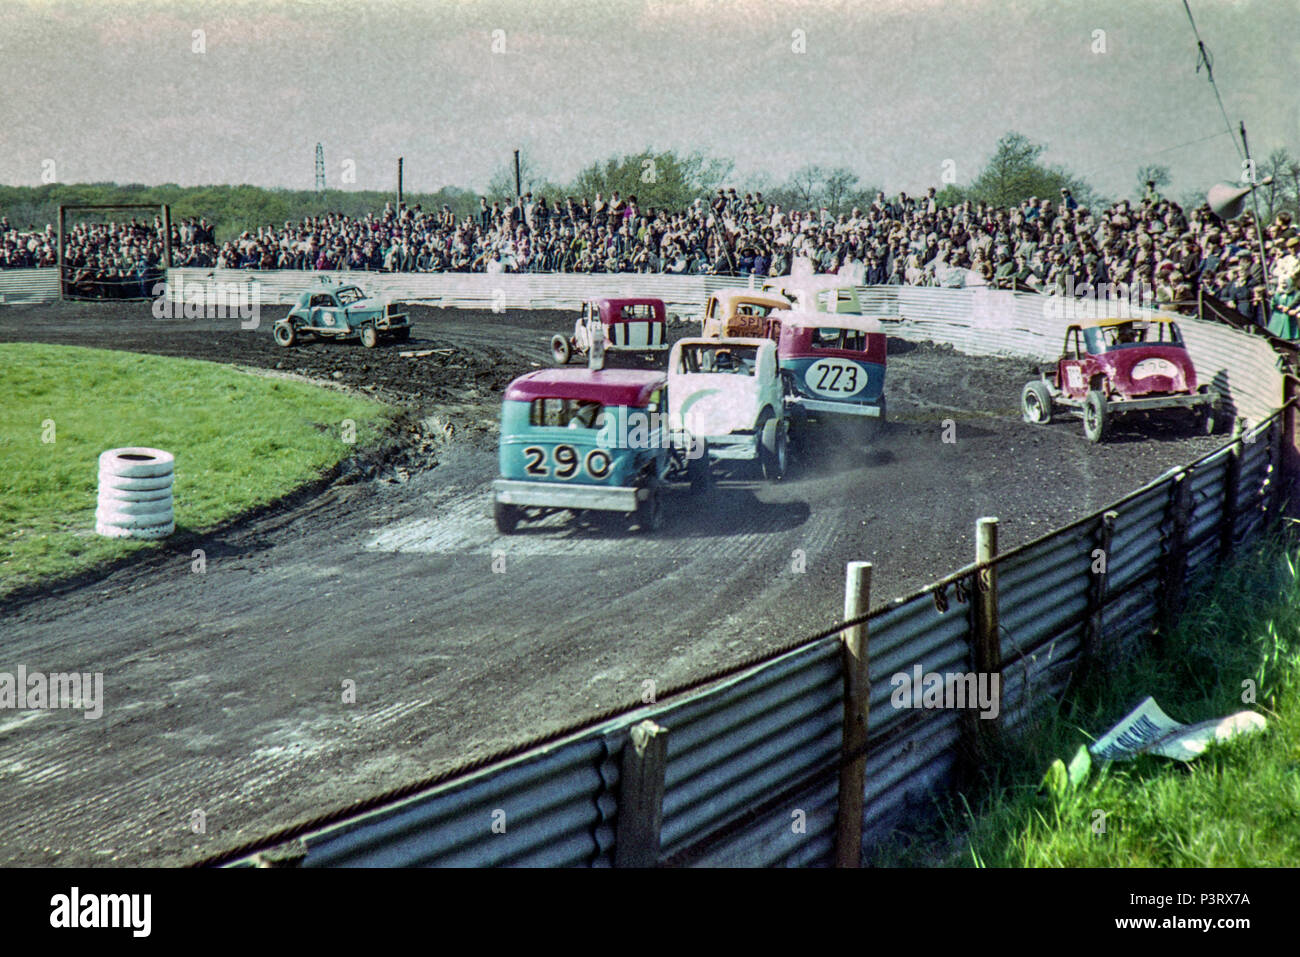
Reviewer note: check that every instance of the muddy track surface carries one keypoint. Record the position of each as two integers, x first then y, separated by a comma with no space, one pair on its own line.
224,690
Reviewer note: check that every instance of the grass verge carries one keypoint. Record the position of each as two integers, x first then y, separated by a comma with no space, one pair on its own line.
239,440
1238,805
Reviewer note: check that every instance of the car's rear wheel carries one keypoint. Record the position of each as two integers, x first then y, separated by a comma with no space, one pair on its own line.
1036,403
773,447
402,334
649,516
369,336
1095,416
285,334
560,349
873,425
697,469
507,517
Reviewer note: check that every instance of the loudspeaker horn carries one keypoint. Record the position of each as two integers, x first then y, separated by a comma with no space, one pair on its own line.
1228,200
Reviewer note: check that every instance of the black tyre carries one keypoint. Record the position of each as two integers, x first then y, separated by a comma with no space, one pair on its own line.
1095,416
561,350
649,516
773,447
369,336
874,425
1036,403
698,472
285,334
507,517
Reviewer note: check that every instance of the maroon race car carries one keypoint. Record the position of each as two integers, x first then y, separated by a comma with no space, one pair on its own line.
1111,367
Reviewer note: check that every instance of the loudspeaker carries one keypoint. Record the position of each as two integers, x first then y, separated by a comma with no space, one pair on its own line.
1228,200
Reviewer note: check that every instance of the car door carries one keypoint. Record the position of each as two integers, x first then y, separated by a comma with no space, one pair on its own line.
1071,376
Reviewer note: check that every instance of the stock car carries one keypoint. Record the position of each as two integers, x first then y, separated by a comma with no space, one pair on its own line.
341,312
1113,367
729,393
740,313
637,326
590,440
820,292
833,368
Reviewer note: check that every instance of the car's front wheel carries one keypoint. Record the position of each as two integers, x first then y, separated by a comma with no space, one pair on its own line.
561,351
506,517
773,447
1036,403
369,336
1095,416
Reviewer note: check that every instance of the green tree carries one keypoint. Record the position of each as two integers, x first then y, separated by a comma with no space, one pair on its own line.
1014,174
655,179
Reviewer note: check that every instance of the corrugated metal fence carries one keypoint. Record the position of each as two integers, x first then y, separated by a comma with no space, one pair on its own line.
750,774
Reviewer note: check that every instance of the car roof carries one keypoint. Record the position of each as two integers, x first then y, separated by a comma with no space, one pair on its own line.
730,296
726,341
828,320
620,302
632,387
1104,323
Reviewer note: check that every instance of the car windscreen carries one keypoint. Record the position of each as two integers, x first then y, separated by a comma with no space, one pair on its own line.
851,340
350,294
1124,335
639,313
566,414
725,358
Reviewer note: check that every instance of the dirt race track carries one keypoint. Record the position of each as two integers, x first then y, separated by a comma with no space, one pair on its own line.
223,690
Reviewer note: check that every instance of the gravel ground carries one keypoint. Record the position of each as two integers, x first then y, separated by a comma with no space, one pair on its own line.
223,690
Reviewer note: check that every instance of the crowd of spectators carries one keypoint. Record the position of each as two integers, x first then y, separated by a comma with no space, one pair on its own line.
1054,245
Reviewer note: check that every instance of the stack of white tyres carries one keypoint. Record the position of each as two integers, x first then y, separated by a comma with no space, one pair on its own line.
135,494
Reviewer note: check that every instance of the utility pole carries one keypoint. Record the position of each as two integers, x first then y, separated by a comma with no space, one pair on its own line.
399,184
518,189
320,170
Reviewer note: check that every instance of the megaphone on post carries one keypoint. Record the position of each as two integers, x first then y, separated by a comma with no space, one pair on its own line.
1227,200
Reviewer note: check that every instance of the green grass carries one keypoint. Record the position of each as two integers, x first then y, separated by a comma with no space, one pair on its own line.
1238,805
239,440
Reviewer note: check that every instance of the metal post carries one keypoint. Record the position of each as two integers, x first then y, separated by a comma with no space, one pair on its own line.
857,701
167,236
399,184
641,797
63,215
518,184
1259,228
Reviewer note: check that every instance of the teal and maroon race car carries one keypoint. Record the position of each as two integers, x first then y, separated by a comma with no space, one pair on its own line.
834,369
590,440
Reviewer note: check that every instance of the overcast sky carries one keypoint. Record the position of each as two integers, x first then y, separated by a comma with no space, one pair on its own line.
113,90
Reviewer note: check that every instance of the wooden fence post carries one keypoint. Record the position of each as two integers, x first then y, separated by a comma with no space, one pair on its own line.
641,796
857,703
1093,632
1174,575
1231,489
